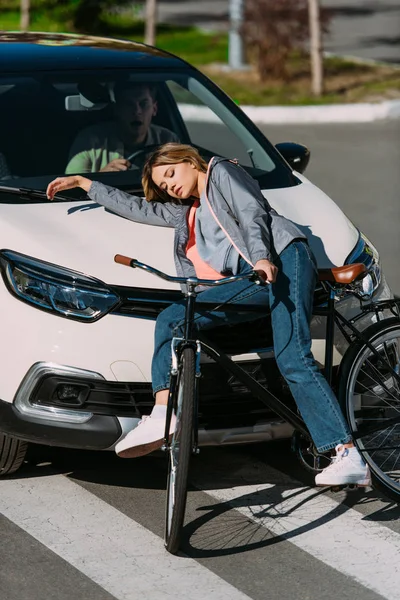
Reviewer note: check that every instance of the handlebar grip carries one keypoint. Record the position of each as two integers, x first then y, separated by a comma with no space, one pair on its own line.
124,260
258,280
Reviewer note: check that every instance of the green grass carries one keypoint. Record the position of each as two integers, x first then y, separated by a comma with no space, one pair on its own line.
269,95
196,49
346,81
9,21
191,44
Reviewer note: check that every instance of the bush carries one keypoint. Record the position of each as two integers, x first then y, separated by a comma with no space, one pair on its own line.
87,13
273,30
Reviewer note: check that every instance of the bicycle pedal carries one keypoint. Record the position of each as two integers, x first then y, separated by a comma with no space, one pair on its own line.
350,487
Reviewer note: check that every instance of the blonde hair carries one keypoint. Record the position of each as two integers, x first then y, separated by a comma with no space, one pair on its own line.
168,154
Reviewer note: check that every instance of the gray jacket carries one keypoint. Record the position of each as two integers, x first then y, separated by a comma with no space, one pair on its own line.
236,206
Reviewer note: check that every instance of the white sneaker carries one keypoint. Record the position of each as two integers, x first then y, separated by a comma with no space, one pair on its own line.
147,436
347,468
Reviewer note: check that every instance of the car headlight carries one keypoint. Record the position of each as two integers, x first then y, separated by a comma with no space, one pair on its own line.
56,289
366,253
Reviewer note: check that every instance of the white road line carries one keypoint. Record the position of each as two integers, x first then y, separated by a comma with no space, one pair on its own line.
332,533
113,550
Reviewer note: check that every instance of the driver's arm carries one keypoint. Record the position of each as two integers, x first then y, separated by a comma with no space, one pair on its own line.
88,151
81,162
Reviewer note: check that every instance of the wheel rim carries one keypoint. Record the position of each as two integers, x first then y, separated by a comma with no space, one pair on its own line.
373,397
170,496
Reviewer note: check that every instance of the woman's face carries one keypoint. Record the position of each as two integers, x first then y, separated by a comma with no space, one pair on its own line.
179,180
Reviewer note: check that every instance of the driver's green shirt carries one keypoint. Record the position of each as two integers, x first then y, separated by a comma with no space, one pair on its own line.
96,146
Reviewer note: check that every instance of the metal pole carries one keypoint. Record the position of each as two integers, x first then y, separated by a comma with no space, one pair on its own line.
235,52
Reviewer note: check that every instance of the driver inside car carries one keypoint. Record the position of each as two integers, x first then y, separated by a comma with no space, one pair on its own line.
109,146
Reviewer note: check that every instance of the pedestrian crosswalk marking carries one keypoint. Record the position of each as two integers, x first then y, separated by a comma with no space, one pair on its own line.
130,562
339,536
117,553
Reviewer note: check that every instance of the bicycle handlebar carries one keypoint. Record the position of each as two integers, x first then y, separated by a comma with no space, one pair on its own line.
124,260
135,264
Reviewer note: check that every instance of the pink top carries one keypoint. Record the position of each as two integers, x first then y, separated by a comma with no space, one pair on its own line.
203,270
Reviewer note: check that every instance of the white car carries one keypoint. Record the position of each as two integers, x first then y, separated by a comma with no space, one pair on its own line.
77,329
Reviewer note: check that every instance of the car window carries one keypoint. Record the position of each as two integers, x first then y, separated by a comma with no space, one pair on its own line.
88,122
211,126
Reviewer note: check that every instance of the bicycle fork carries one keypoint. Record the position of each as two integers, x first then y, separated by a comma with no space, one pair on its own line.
176,346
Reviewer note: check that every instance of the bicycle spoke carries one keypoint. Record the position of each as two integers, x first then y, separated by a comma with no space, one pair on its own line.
380,381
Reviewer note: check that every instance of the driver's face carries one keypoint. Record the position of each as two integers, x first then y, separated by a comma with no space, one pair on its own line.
134,110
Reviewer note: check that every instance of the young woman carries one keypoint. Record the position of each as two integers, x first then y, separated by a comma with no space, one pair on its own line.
224,225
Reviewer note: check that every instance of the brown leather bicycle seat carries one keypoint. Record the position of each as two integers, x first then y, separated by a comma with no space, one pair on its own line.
346,274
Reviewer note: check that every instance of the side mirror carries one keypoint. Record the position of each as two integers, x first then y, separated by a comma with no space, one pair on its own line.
297,155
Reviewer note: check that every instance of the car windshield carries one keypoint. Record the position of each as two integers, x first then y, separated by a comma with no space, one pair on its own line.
105,124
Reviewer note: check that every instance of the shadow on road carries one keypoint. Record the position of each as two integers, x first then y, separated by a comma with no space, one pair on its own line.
280,506
265,520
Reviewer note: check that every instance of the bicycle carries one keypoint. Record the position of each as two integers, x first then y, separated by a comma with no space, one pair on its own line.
367,385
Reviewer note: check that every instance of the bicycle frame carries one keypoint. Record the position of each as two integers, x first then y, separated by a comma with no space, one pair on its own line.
262,393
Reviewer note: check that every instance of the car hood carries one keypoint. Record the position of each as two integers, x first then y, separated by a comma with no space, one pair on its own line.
84,236
331,235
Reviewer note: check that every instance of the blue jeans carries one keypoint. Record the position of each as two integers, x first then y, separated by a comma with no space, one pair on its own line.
290,300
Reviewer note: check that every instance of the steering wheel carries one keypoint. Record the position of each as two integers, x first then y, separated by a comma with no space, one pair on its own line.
142,153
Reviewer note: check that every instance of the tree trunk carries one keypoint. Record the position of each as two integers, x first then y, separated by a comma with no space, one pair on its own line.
317,75
151,18
24,16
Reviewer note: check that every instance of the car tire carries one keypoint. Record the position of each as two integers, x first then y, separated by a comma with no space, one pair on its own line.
12,454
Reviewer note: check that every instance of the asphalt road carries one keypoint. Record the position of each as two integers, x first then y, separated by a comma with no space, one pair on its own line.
89,526
363,28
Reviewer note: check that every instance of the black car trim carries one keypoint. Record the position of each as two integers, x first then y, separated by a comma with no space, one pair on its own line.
99,433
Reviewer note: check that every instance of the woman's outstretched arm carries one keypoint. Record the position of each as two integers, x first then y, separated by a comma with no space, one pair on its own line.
67,183
126,205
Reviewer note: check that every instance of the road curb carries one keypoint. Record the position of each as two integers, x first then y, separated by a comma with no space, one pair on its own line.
364,112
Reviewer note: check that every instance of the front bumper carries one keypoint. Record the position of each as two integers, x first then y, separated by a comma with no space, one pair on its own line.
45,410
100,432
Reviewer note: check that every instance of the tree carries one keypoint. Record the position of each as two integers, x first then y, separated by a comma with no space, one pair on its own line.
151,20
317,70
275,29
25,14
86,14
272,29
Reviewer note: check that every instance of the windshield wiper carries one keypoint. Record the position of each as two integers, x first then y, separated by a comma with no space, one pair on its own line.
31,193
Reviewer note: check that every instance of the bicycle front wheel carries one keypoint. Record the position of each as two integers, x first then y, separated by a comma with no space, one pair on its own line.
370,394
181,448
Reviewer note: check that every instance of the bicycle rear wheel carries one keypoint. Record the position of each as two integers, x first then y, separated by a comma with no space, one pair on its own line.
370,395
181,448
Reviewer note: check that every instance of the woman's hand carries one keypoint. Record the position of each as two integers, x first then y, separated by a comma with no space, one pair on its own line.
67,183
266,270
